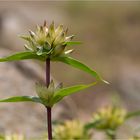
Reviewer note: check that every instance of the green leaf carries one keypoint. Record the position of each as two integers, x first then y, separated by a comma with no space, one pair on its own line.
22,99
60,94
21,56
75,63
91,125
73,43
132,114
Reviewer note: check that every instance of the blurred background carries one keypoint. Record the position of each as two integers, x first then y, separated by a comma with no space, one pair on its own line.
110,36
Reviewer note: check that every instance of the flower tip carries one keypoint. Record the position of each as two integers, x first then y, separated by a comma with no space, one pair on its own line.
106,82
20,36
53,22
60,85
32,34
66,31
45,23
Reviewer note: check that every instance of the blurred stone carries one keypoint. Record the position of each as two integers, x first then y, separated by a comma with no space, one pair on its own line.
127,83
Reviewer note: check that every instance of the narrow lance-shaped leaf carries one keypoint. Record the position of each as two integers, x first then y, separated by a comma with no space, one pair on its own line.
91,125
69,90
132,114
21,56
73,43
22,99
75,63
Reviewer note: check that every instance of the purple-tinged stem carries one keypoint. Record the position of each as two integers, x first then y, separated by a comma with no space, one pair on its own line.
49,118
47,72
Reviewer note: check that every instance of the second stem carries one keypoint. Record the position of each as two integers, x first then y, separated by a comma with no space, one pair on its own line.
49,118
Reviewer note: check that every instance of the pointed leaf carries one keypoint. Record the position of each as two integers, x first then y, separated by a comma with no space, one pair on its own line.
75,63
69,90
132,114
91,125
22,99
73,43
21,56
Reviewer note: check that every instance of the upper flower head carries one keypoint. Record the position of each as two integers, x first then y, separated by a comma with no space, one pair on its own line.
48,41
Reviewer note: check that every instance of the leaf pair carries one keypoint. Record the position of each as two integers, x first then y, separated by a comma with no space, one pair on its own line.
50,42
58,95
65,59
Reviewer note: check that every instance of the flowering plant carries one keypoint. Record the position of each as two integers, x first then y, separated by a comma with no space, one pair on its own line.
50,44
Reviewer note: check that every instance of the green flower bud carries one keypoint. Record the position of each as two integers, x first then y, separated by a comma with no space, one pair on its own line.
59,50
109,118
46,94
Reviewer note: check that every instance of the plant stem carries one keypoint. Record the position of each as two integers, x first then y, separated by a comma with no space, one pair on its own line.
49,117
111,136
47,72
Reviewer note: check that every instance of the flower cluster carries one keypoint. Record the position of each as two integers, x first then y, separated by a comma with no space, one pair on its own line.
109,118
135,138
48,41
12,137
70,130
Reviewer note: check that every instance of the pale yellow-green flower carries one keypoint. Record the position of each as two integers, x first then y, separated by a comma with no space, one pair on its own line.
134,138
14,137
109,118
48,41
70,130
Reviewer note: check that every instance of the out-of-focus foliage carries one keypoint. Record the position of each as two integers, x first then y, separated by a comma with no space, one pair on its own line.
107,120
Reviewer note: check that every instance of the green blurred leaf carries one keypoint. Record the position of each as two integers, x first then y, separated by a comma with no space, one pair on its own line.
22,99
132,114
21,56
91,125
111,134
60,94
73,43
75,63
